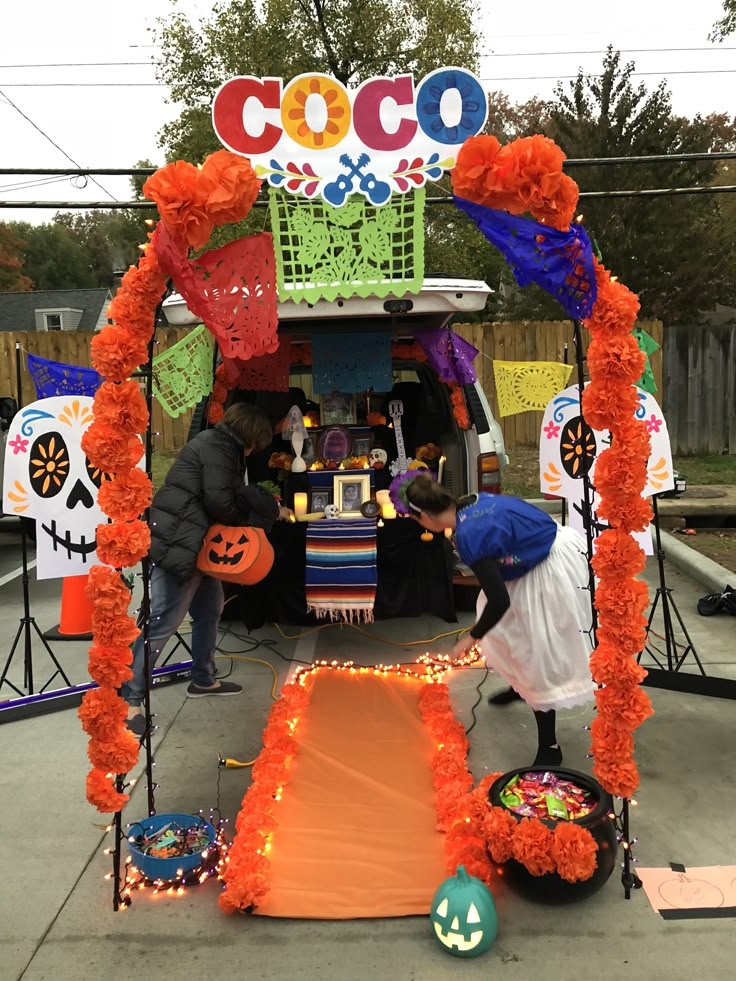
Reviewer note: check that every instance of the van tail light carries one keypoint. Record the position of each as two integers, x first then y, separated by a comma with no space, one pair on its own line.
489,473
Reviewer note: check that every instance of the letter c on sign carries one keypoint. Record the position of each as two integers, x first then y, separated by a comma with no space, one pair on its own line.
367,113
227,114
471,109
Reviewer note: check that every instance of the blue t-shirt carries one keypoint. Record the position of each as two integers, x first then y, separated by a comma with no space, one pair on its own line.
517,535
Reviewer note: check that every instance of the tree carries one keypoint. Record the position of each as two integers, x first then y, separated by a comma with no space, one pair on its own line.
349,39
727,24
675,252
12,279
54,260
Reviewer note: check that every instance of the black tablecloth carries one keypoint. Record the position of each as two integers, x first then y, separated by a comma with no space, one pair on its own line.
414,577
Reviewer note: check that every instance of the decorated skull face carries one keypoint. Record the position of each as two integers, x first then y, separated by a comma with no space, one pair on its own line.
377,457
49,478
331,511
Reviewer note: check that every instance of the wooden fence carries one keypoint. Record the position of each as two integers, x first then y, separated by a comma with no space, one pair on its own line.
700,388
72,347
533,341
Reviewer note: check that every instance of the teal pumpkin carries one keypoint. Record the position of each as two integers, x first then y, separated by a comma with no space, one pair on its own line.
463,915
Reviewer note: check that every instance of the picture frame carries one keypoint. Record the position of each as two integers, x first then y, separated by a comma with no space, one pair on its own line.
337,409
335,443
362,444
319,498
349,492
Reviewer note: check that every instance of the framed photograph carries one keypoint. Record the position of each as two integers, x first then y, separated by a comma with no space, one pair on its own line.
337,409
351,492
362,445
319,498
335,443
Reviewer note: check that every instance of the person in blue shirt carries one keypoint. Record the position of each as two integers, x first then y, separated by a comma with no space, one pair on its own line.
534,615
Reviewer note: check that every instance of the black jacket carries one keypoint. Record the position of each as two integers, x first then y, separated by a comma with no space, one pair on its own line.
204,487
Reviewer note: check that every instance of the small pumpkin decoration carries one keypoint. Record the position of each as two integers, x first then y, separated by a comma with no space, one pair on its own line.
235,554
463,915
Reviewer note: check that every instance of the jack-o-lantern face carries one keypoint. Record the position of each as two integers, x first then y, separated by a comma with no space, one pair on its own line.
242,555
464,915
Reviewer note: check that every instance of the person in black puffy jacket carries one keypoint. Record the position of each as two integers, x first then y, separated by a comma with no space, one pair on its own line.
205,486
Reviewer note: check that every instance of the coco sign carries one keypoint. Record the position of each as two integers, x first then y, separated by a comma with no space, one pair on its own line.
314,137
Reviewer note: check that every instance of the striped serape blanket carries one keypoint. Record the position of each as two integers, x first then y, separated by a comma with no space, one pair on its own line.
341,569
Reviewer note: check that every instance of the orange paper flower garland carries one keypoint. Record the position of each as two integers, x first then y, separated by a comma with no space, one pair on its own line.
192,201
526,175
247,874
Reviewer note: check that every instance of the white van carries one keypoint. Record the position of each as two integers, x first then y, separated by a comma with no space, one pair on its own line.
476,456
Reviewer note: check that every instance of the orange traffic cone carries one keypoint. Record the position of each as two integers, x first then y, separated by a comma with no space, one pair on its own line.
76,612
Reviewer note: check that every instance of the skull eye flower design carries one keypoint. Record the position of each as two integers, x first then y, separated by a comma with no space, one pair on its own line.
49,465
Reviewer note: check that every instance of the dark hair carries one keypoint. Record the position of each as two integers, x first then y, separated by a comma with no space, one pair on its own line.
429,496
250,424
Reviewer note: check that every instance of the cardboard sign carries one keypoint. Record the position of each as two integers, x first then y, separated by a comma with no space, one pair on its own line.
314,137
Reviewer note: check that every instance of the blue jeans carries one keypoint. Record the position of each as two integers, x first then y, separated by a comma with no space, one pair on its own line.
204,598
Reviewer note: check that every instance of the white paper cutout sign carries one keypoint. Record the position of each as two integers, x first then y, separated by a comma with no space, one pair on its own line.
49,478
314,137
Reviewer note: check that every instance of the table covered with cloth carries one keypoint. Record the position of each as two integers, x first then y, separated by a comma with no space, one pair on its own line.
413,578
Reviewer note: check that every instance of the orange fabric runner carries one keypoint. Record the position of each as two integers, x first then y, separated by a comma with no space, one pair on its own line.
356,833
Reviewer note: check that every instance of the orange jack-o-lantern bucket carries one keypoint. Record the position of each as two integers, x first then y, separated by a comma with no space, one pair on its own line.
242,555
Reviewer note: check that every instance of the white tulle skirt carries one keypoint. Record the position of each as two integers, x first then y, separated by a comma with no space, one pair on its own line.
541,646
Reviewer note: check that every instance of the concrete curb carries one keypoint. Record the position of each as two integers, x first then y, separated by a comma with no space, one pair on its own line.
699,567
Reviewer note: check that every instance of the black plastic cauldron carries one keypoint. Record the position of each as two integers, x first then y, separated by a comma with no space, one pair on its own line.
551,888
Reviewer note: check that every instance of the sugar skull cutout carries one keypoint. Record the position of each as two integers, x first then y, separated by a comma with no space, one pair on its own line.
49,478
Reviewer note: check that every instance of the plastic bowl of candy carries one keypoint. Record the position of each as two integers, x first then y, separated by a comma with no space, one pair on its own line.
554,794
169,846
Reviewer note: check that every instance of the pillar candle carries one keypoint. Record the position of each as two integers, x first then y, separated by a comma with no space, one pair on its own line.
300,504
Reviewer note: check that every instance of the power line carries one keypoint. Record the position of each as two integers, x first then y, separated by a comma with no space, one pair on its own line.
47,137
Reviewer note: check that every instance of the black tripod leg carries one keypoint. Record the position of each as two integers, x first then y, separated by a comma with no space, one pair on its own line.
59,669
4,676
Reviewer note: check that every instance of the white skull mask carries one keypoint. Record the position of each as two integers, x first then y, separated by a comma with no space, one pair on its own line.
332,511
49,478
377,455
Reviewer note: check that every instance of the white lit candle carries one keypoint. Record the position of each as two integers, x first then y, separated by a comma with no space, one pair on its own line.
388,510
383,497
300,504
441,469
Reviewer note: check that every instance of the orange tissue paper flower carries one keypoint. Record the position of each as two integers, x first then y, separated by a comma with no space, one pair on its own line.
110,666
119,755
608,666
231,186
617,556
107,591
532,845
180,195
123,543
102,712
215,412
622,600
618,358
109,451
608,404
574,851
619,777
499,828
125,496
118,631
132,312
624,705
475,157
610,742
629,514
101,793
144,284
116,352
616,307
121,406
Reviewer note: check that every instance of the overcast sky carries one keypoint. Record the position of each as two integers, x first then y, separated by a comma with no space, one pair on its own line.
526,47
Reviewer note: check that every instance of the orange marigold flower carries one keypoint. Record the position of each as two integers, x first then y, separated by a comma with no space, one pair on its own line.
102,712
624,705
119,755
130,311
609,666
231,186
574,851
610,742
125,496
618,776
622,600
110,666
627,513
121,406
123,543
475,157
617,358
101,793
532,844
616,308
608,404
118,631
617,557
116,352
215,412
181,198
110,451
107,591
499,828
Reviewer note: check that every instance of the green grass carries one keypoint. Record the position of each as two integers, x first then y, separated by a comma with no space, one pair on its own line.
521,477
160,463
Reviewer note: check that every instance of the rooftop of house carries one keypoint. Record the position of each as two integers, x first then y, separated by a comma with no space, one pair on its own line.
17,310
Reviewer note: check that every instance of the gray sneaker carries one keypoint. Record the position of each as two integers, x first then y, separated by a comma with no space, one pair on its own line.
224,688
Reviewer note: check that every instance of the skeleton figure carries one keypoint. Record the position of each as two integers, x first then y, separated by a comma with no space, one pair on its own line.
48,477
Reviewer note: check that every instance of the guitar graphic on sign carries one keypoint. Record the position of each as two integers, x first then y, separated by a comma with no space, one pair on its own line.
401,465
